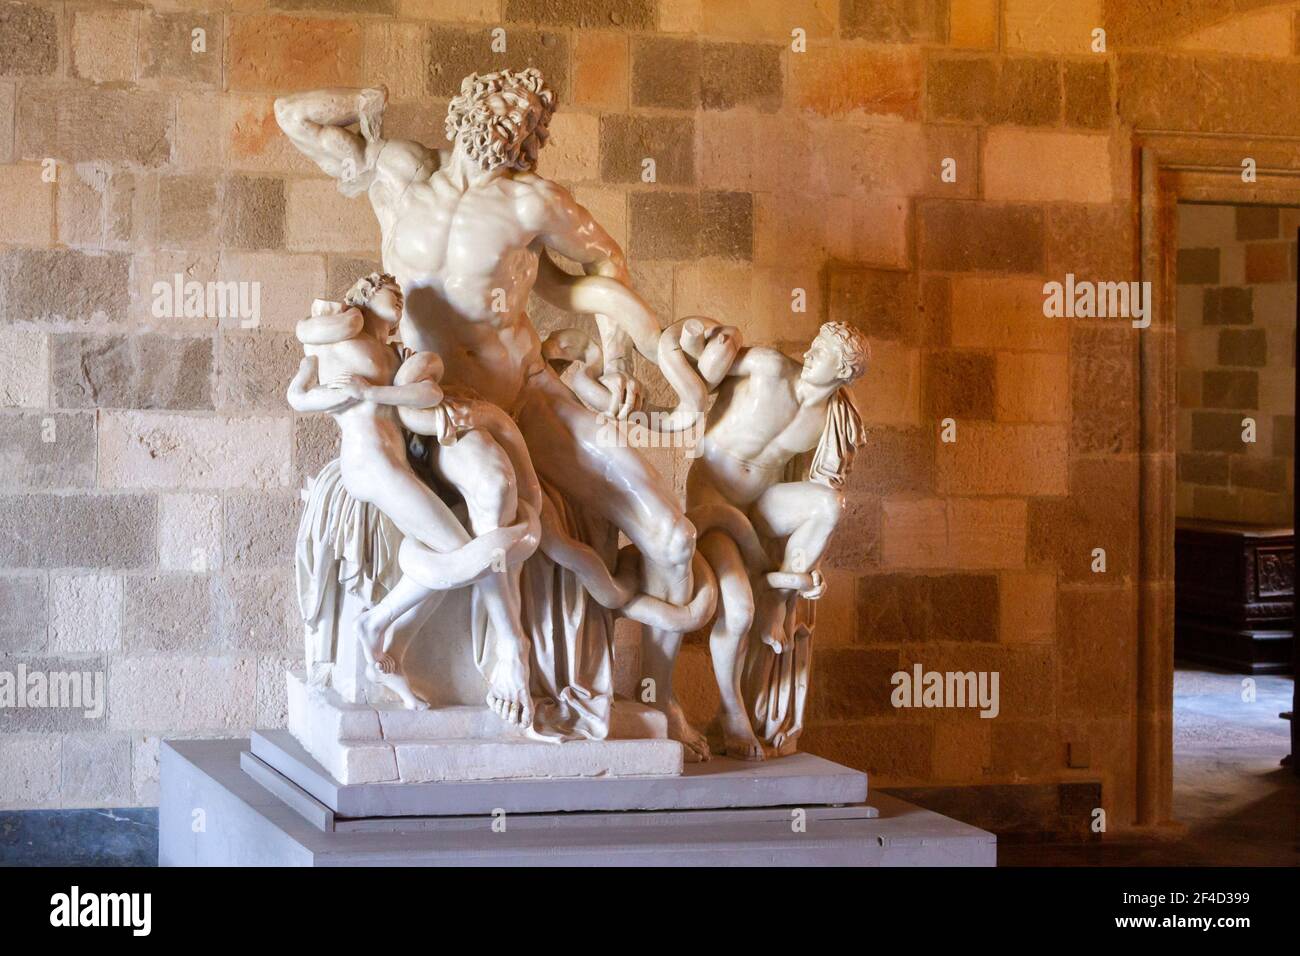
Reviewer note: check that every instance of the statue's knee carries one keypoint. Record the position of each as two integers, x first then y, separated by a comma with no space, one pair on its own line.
830,507
738,611
674,542
491,492
681,541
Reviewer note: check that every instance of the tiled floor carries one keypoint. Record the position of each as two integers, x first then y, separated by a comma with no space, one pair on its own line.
1239,806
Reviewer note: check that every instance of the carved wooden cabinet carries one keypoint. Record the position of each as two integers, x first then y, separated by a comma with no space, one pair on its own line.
1235,595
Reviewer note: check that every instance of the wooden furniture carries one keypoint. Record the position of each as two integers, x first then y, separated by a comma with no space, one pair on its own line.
1234,596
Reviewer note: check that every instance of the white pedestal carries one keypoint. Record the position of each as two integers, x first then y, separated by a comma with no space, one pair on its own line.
258,817
385,743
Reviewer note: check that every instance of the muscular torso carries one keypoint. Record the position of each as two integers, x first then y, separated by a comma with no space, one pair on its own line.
365,428
755,427
466,263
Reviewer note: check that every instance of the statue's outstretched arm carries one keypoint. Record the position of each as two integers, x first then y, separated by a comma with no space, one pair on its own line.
424,394
304,397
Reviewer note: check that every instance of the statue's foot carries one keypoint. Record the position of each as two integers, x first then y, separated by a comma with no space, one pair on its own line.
371,625
380,665
818,588
680,729
776,639
396,683
739,739
508,689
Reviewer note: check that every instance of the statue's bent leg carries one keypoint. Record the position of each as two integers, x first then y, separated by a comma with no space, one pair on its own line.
805,513
574,450
477,466
412,505
727,643
420,515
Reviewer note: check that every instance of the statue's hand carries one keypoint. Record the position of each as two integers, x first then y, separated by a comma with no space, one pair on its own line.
371,112
354,386
818,588
625,392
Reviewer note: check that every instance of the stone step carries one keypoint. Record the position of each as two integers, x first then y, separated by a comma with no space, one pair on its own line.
800,780
256,828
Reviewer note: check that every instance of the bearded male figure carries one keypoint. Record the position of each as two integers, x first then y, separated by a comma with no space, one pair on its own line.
465,231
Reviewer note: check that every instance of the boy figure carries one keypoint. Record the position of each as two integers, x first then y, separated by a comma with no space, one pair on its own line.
769,410
352,372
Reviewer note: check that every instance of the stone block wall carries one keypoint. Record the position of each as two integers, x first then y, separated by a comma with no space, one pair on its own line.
917,167
1236,337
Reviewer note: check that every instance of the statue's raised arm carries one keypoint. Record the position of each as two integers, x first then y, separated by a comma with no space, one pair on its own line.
319,123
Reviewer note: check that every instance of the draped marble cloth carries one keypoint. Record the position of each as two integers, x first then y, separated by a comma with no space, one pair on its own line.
571,663
343,545
775,686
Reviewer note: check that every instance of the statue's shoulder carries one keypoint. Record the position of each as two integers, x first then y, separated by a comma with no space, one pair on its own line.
528,184
763,361
539,199
402,160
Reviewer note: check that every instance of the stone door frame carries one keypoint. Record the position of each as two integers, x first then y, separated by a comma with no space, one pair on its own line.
1176,167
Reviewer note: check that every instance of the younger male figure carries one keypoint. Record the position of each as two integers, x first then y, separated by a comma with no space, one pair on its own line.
770,409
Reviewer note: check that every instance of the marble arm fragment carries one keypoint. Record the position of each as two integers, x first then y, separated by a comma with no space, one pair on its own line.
421,394
306,399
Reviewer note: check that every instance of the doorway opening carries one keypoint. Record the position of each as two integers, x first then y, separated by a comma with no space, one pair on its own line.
1235,295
